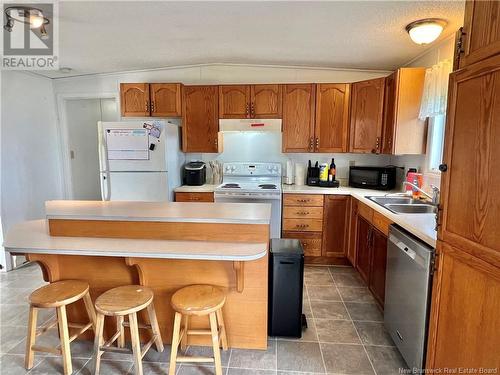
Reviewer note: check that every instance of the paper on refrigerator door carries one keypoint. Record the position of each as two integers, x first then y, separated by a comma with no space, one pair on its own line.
127,144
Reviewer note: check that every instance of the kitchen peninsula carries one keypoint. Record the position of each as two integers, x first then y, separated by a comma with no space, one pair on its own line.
164,246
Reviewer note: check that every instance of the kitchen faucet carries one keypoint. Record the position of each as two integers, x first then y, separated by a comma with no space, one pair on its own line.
435,192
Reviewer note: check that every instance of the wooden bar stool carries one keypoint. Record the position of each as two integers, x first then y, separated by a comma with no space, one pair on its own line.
57,295
118,302
198,300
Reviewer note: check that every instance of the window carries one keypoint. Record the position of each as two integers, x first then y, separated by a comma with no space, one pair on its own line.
435,143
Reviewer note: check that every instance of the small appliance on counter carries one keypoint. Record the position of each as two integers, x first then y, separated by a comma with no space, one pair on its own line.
195,173
378,178
286,278
313,174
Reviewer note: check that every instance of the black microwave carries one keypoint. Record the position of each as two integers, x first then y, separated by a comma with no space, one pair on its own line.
379,178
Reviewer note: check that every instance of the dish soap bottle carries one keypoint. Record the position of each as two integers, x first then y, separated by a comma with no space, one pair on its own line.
332,171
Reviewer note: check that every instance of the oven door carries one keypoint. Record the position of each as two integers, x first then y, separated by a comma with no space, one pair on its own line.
275,201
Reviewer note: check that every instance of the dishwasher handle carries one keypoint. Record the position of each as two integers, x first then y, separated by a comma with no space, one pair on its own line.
402,246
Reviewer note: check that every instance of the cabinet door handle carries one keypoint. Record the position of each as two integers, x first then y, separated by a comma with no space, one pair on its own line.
252,109
147,106
317,144
246,109
152,106
311,144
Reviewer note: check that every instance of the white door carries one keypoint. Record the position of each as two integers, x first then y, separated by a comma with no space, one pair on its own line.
134,186
82,116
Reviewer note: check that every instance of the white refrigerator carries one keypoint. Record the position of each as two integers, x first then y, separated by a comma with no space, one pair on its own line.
139,160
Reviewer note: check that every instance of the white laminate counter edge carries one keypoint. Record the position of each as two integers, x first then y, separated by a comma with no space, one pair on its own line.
188,212
32,237
420,225
207,188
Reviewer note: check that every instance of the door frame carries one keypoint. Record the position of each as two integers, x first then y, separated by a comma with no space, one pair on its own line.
63,134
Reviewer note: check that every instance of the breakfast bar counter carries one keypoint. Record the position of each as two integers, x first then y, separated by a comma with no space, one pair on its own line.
110,244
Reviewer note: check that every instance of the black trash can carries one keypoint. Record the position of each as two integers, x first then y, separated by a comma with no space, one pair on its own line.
286,278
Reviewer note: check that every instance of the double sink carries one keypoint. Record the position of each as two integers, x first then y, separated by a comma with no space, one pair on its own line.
403,205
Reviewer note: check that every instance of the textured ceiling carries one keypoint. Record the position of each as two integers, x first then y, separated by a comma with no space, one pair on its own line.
110,36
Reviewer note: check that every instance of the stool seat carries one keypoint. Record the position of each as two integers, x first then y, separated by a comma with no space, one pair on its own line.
198,300
60,293
124,300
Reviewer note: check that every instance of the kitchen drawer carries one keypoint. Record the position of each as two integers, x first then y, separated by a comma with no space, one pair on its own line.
194,197
306,225
298,212
381,222
315,200
365,211
311,242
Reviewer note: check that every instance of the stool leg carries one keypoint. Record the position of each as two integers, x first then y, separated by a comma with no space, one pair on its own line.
64,337
154,327
89,306
215,343
175,343
136,344
98,341
119,327
222,330
185,336
30,339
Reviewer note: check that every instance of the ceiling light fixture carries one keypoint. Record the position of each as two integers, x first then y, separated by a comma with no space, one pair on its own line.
425,31
27,15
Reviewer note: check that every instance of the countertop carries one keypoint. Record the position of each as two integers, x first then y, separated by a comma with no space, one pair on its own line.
420,225
197,212
33,237
206,188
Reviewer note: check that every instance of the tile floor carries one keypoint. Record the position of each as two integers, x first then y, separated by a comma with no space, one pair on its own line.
345,335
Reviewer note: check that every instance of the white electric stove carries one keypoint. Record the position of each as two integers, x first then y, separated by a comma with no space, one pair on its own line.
253,183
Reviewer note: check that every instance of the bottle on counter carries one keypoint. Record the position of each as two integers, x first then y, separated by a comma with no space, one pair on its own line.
332,171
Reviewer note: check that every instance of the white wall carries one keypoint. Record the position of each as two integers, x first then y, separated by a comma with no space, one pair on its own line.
30,160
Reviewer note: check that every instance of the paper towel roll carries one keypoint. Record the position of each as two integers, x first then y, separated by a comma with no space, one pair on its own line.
289,173
300,174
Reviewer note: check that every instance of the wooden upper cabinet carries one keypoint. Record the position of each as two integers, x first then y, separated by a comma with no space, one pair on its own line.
266,101
134,98
367,104
332,114
335,225
403,131
200,128
481,31
166,99
298,117
471,184
234,101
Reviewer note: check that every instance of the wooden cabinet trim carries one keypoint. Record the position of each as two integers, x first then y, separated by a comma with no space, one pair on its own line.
194,197
381,222
314,200
365,211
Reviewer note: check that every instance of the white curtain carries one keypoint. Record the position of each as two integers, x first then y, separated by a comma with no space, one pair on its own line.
435,90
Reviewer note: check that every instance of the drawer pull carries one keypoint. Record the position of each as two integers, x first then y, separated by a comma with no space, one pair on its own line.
303,200
302,226
302,213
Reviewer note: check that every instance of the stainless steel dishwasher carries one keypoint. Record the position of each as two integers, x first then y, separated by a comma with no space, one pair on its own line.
410,265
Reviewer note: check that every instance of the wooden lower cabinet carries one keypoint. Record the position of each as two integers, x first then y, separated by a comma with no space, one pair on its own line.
363,255
378,265
335,225
321,223
194,197
311,241
465,312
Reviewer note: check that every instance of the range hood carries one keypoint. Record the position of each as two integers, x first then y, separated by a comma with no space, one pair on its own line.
250,125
